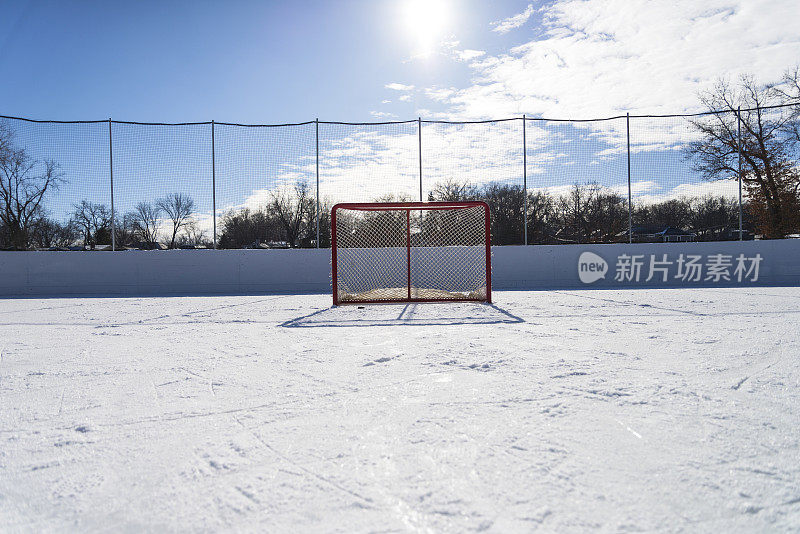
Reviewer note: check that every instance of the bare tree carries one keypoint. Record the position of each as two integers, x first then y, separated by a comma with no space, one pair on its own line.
145,223
395,197
6,136
676,212
179,209
541,213
244,228
48,233
574,213
24,182
94,220
193,235
769,148
453,191
325,206
293,206
788,92
712,217
125,231
608,217
590,213
506,202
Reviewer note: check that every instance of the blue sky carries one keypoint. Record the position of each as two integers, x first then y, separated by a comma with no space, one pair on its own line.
239,61
362,60
289,61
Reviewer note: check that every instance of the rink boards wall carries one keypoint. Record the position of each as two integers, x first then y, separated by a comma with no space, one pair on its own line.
540,267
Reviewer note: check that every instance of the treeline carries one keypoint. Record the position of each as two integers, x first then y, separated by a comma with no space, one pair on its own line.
287,219
169,222
758,139
25,223
586,213
755,136
590,213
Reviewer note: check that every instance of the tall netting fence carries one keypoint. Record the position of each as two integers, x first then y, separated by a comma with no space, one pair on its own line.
162,185
266,186
672,198
54,184
366,163
369,162
577,181
478,161
112,185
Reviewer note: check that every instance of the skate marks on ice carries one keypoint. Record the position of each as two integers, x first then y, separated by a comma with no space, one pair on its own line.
446,314
137,311
703,303
610,413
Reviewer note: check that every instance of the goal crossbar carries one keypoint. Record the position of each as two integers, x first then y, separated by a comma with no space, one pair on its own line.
410,252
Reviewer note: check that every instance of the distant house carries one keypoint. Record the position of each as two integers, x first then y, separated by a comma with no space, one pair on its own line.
723,233
269,244
645,233
143,245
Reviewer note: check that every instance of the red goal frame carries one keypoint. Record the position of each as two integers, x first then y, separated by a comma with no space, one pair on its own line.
408,207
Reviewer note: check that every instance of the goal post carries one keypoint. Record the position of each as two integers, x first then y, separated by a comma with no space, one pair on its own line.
411,252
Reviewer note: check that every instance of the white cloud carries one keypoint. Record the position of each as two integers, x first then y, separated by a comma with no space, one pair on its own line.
399,87
649,192
440,94
383,115
726,188
386,101
449,44
405,98
468,55
513,22
605,57
362,163
595,58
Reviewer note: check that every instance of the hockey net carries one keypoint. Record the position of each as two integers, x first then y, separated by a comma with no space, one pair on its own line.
411,252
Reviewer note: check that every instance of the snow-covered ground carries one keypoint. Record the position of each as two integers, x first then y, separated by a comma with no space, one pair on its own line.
669,410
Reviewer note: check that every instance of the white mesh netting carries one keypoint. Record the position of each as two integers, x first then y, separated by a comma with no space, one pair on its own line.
447,254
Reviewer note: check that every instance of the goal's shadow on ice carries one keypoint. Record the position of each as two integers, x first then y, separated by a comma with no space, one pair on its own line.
405,315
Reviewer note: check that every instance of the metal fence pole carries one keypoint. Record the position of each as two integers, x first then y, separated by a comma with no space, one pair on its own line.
214,183
111,176
630,204
739,150
524,181
316,123
419,138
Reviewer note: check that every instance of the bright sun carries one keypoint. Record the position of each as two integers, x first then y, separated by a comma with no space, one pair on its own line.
425,22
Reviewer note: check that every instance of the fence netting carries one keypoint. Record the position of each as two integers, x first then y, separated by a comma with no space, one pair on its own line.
477,161
265,185
54,184
204,185
369,162
577,181
162,185
670,194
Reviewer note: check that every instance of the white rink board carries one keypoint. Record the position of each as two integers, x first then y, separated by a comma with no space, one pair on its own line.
208,272
557,411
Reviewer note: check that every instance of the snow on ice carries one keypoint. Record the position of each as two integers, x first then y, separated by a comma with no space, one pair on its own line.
668,410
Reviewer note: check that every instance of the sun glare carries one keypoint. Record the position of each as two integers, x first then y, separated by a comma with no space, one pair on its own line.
425,22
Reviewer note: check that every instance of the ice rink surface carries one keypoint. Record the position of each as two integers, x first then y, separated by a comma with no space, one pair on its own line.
640,410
